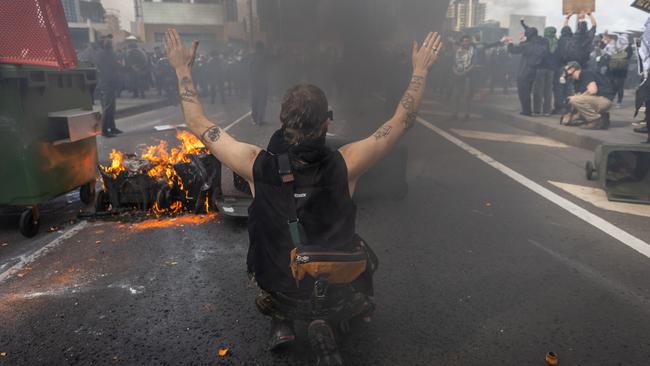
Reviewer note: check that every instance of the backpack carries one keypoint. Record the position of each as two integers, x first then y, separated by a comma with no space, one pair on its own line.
619,61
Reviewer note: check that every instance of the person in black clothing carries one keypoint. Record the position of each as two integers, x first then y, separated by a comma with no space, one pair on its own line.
579,44
593,97
259,71
543,87
321,182
499,65
107,68
532,49
618,54
215,77
561,87
137,68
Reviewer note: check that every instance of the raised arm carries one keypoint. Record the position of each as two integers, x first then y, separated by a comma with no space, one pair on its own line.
522,21
566,20
236,155
361,155
513,48
592,19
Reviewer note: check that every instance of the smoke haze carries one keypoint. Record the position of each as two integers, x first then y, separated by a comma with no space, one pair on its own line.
614,15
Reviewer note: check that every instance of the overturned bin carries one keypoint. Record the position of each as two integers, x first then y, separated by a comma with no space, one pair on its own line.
47,137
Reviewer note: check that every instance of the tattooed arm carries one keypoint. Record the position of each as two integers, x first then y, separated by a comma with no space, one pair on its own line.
362,155
236,155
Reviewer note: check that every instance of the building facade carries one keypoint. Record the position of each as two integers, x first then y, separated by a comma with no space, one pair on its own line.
463,14
516,29
211,22
85,20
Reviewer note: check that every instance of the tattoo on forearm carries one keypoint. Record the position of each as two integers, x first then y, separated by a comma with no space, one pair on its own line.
383,132
410,120
408,101
187,92
416,83
212,134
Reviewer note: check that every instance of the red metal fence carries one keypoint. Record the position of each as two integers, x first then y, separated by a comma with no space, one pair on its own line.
35,32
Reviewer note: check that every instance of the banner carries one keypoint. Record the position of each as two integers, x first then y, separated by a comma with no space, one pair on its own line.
642,4
578,6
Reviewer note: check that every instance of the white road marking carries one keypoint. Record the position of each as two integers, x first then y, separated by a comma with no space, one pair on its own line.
597,222
168,127
237,121
27,259
598,198
505,137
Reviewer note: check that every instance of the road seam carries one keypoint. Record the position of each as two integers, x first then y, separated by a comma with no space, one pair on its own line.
237,121
594,220
27,259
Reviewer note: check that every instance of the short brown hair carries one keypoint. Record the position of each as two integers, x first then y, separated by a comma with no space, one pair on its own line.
303,114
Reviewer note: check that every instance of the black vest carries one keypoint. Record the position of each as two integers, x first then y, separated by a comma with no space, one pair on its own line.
325,210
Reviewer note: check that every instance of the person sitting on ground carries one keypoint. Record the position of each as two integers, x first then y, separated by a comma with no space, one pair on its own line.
593,98
299,161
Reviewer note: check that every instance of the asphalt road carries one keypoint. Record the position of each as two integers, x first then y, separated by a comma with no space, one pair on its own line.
476,267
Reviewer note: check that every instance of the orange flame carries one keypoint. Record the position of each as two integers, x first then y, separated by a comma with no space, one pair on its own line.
117,164
176,222
161,165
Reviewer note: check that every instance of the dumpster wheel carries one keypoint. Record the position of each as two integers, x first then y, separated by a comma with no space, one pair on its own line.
590,171
87,193
29,222
102,202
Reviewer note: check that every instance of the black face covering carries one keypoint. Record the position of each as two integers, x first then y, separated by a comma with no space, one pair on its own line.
531,33
566,31
582,28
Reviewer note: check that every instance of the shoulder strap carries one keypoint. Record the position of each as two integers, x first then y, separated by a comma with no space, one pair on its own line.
284,169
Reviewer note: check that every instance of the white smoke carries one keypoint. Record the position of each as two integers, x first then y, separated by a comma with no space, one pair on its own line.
614,15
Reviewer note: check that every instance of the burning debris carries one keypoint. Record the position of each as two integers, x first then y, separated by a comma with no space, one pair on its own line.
161,181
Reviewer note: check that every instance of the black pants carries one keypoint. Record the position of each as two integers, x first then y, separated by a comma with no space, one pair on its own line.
618,84
137,82
107,99
559,92
543,93
647,117
217,88
524,89
462,94
258,103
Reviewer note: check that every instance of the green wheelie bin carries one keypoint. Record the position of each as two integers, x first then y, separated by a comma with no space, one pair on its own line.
48,135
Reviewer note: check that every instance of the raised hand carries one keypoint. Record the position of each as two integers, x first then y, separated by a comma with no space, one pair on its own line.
426,56
179,56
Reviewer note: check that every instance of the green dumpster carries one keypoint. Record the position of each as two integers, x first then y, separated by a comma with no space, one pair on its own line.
47,137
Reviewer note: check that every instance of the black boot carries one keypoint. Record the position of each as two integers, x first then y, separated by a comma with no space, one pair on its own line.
282,334
323,343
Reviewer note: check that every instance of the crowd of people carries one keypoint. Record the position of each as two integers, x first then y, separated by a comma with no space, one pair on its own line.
137,72
575,73
579,74
220,74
